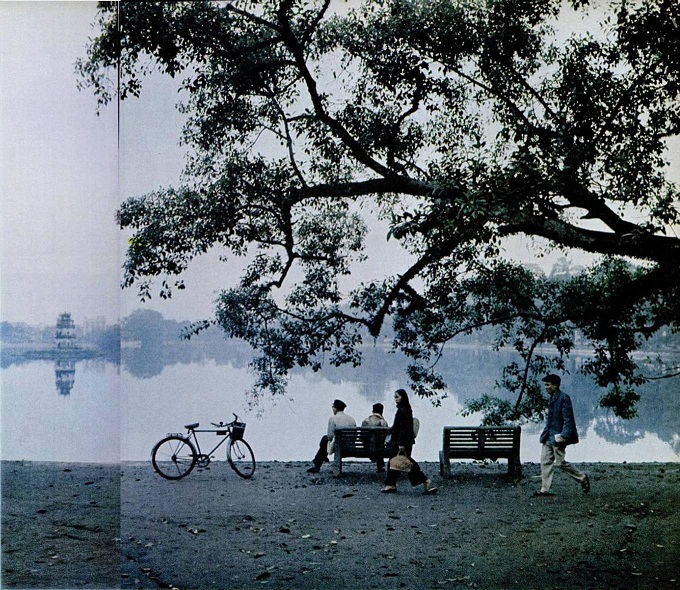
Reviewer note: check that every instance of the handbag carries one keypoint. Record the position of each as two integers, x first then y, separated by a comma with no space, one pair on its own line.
400,462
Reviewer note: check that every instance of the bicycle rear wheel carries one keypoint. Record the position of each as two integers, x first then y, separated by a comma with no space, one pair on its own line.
241,458
173,457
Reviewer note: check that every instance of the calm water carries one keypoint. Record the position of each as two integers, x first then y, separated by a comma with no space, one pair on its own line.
95,411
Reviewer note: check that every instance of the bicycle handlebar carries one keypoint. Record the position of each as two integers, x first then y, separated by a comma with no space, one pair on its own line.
222,424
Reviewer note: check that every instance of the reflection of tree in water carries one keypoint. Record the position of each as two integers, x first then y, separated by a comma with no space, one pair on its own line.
144,362
471,372
614,430
149,360
659,410
468,372
675,444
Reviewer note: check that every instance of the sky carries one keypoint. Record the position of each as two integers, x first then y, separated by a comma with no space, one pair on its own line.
58,163
63,175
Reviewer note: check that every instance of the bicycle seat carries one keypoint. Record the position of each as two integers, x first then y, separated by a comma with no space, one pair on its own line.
191,426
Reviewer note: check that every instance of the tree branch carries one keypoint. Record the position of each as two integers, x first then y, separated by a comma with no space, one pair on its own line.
336,128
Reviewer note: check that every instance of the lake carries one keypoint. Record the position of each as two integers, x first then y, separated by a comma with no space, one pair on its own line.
98,411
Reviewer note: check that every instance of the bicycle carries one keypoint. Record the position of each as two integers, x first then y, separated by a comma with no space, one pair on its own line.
175,456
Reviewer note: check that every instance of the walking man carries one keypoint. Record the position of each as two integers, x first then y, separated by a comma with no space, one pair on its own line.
559,431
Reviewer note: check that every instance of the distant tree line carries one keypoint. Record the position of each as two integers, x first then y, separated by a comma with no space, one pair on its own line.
151,329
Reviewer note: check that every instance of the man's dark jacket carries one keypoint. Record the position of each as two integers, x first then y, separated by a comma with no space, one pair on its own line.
560,420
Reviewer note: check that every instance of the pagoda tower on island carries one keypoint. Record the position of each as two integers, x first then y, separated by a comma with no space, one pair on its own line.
65,335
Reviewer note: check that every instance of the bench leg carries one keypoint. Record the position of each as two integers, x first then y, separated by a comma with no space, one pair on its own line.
444,465
514,467
337,462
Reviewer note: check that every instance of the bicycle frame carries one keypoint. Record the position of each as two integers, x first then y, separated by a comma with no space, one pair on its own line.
225,433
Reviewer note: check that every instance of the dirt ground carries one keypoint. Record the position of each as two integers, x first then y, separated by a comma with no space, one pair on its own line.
95,526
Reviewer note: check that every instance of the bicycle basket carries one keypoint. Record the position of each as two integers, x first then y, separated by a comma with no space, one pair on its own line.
237,430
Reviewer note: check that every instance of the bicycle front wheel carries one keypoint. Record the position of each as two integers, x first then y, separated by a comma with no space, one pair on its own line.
241,458
173,457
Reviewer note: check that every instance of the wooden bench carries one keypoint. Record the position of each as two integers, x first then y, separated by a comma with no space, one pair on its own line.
481,442
367,443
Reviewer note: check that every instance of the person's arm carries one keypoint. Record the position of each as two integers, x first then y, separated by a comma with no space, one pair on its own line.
395,437
568,422
404,436
331,429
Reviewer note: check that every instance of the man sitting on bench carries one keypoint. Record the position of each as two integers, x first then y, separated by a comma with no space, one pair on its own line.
338,420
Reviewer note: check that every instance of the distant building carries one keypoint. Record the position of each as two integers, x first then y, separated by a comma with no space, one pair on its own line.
65,335
97,324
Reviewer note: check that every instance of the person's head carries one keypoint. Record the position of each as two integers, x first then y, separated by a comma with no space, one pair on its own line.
401,398
378,409
552,383
338,405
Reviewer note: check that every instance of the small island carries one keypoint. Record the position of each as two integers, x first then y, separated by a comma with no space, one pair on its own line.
64,347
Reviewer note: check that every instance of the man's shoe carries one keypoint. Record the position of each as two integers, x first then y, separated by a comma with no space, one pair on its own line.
326,460
313,470
585,484
543,494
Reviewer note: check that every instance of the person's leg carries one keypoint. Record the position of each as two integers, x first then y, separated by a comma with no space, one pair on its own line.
391,481
570,470
392,475
379,463
321,455
416,475
547,466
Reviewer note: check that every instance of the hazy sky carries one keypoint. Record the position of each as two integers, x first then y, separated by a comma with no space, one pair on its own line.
62,173
58,164
62,176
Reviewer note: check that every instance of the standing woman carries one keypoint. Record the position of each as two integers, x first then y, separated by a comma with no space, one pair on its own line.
402,440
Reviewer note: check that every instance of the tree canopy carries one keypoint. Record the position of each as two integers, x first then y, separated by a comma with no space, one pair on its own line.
456,123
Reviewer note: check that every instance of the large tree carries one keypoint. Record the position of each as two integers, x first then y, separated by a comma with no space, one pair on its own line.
457,124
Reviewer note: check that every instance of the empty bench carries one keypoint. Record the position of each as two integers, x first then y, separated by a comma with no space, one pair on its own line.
367,443
481,442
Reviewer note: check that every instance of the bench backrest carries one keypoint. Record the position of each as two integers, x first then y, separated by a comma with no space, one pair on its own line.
361,441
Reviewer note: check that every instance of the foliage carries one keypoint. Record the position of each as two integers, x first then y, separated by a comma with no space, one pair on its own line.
458,124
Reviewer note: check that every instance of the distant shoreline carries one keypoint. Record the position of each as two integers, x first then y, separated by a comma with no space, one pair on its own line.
48,352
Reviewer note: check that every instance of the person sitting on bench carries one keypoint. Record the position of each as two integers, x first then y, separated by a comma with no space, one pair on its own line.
338,420
376,420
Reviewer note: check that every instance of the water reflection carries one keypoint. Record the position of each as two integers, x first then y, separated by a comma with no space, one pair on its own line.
65,376
469,372
162,388
78,422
